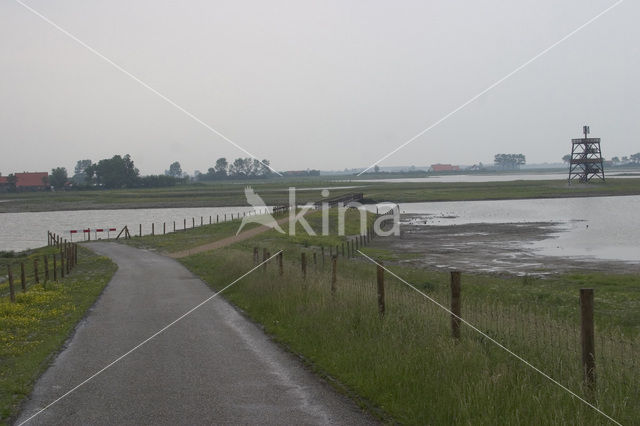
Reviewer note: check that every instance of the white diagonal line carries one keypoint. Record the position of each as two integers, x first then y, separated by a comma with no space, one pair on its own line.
500,345
145,341
142,83
492,86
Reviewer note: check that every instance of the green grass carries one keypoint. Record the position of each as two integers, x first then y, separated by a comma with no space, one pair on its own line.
406,364
34,328
406,367
275,192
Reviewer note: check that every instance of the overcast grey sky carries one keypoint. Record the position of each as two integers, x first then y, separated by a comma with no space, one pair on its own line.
328,85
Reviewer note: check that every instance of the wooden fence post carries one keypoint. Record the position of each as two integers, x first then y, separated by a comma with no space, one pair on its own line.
174,226
46,268
164,228
12,291
140,230
280,265
23,280
256,257
315,260
380,276
75,262
153,229
68,256
193,222
334,273
303,264
201,221
35,271
217,218
62,262
185,223
55,268
587,337
455,304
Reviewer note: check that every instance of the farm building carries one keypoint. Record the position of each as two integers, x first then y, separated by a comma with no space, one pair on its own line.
32,181
444,168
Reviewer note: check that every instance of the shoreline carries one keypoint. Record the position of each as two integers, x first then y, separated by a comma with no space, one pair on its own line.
492,248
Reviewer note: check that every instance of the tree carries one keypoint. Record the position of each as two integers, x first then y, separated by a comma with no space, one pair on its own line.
376,169
80,175
174,170
265,168
635,158
566,158
221,167
238,168
509,161
615,160
58,177
116,172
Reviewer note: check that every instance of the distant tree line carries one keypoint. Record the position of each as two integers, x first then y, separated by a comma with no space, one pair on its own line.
633,159
509,161
118,172
241,168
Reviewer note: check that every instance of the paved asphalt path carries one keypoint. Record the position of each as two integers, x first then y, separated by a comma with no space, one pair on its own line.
212,367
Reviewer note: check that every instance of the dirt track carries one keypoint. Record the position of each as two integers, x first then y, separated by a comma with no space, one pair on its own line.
245,235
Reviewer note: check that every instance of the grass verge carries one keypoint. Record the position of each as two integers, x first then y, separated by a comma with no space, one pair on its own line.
407,365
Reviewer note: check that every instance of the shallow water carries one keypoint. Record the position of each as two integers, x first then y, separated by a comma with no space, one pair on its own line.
20,231
605,228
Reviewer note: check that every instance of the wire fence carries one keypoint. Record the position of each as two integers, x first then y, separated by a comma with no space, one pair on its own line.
550,341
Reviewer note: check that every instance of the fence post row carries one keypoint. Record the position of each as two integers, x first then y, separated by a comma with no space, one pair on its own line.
587,338
455,304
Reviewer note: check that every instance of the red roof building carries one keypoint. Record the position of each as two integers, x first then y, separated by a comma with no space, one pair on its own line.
3,180
444,168
32,181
